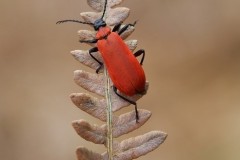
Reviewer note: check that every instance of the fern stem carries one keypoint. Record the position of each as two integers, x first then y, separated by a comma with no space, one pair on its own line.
109,116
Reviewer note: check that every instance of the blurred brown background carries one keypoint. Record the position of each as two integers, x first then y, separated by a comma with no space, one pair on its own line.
192,63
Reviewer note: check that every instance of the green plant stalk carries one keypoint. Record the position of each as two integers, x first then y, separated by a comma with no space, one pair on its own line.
109,115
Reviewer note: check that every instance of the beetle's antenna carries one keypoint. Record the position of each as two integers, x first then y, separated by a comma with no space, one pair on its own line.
105,6
70,20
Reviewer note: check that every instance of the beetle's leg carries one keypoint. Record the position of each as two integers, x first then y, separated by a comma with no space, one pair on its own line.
89,41
95,49
116,27
128,100
138,53
126,27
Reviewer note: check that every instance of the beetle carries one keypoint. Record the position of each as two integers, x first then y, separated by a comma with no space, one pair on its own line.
124,69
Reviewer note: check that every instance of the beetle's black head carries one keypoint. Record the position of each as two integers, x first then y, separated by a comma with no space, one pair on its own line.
99,23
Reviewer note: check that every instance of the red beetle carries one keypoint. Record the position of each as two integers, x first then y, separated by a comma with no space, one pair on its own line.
124,69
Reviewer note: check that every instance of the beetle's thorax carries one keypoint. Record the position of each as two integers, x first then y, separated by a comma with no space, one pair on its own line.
103,32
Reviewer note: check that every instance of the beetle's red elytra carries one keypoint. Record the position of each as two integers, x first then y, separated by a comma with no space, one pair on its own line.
124,69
